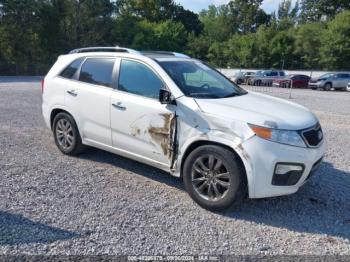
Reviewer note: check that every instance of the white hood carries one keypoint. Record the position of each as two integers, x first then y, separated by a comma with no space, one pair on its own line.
259,109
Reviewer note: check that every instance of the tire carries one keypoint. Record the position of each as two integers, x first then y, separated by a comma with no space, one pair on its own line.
66,135
328,87
239,81
215,186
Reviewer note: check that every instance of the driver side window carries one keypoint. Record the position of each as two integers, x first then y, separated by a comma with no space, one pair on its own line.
137,78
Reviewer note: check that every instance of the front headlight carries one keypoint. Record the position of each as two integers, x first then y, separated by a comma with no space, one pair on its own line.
287,137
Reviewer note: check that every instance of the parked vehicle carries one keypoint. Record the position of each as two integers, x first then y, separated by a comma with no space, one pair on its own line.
182,116
266,77
326,82
242,77
348,87
298,81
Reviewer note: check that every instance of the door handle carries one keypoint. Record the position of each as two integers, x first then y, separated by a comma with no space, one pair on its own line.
72,92
119,106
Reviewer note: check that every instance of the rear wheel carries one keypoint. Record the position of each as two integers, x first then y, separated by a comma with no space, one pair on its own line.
213,177
66,134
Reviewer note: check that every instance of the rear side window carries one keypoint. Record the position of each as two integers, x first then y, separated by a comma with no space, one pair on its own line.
272,74
72,68
137,78
343,75
300,77
97,71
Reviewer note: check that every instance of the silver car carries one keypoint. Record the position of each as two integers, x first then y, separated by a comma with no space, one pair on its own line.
338,81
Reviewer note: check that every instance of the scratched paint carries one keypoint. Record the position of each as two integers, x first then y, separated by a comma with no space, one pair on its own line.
158,129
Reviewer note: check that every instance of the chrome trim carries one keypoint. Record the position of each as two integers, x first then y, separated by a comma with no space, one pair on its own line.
105,49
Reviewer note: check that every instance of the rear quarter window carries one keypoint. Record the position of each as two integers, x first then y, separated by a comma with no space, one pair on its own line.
70,70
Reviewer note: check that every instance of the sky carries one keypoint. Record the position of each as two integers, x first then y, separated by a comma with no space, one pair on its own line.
197,5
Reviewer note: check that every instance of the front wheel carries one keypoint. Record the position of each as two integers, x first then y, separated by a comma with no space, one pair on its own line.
213,177
328,87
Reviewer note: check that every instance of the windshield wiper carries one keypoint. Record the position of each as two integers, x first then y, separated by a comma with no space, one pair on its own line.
231,95
203,95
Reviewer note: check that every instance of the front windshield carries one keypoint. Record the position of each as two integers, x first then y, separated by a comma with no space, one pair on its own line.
198,80
325,76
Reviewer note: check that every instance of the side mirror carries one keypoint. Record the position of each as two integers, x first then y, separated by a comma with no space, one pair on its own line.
165,97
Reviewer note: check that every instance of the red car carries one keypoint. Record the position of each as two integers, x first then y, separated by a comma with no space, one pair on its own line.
299,81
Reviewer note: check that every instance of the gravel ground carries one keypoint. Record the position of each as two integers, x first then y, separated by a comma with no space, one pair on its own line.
100,203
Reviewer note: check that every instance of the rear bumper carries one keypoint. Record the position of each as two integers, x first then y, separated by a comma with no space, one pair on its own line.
46,115
265,155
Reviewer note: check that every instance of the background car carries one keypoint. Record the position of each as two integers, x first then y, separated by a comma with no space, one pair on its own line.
338,81
348,87
242,77
266,77
298,81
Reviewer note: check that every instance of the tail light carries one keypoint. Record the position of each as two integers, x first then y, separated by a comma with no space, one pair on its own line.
42,85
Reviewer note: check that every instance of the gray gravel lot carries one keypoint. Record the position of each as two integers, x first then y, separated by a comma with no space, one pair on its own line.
100,203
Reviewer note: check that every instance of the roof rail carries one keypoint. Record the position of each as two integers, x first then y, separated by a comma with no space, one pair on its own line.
104,49
165,53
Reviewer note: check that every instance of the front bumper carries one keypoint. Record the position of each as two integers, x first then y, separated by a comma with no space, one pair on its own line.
316,85
263,157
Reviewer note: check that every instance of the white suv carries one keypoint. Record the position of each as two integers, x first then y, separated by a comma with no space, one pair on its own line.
180,115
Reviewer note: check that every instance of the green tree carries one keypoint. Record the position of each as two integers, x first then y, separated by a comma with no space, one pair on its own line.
287,15
167,36
160,11
247,15
198,46
307,45
335,48
19,39
216,21
317,10
240,51
282,49
263,58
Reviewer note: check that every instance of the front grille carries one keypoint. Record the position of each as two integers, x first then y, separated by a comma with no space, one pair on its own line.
313,136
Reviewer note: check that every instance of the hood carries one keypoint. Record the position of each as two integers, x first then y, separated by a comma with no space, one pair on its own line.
259,109
314,79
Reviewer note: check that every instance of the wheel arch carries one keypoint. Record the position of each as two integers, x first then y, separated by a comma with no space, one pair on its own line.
242,164
55,111
329,83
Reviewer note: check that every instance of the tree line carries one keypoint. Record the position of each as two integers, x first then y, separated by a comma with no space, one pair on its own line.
312,34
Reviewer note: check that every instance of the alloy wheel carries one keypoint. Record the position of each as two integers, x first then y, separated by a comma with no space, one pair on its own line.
210,178
64,134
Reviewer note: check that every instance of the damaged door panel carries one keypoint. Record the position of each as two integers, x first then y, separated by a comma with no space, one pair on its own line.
146,128
159,130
